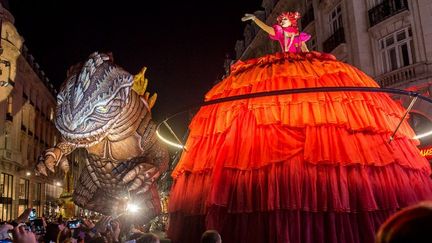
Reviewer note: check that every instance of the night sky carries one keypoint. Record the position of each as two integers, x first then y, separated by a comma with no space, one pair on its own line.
182,43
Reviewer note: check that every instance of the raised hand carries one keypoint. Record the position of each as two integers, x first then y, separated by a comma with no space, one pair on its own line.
21,235
248,17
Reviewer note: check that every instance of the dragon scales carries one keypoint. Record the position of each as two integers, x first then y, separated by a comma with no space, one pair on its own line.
98,110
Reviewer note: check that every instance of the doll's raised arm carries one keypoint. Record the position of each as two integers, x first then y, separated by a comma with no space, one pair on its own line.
260,24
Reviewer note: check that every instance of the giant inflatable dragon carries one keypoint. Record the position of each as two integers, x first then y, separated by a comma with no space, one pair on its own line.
98,110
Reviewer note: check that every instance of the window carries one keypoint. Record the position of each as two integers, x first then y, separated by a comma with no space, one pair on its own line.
335,19
23,195
30,151
9,105
6,191
396,50
38,198
7,135
373,3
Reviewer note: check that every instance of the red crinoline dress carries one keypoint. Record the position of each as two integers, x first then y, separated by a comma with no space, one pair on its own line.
311,167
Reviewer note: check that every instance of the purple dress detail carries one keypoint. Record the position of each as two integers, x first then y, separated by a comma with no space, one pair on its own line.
297,42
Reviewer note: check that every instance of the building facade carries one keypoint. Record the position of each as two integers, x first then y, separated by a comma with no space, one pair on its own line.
390,40
27,103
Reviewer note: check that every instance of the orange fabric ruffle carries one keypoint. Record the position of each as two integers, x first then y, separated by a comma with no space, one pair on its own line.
303,157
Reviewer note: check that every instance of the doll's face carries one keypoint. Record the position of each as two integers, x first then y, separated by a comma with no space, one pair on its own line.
285,22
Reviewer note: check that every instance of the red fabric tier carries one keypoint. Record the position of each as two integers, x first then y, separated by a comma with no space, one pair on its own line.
313,167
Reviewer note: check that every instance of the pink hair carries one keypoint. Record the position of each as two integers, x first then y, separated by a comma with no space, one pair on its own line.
292,16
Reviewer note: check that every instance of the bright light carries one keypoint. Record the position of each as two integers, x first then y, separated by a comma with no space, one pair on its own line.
28,173
423,135
133,208
169,142
58,183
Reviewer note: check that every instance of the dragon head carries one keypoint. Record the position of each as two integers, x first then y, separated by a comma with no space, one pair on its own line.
91,99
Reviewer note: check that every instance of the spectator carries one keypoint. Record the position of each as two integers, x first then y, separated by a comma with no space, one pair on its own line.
211,236
21,235
4,228
148,238
411,224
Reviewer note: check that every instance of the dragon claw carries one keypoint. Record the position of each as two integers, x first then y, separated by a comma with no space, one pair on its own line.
41,168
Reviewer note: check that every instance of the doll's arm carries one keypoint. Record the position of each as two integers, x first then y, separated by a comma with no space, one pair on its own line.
304,47
260,24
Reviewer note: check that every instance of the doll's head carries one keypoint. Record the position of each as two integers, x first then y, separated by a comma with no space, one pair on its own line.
288,19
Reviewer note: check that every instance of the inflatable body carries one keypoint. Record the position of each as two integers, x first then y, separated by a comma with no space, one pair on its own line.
98,111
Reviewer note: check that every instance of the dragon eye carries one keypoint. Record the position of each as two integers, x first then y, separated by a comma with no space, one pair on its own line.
102,109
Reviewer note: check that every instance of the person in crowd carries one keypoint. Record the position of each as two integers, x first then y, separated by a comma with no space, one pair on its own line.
4,228
411,224
21,235
148,238
211,236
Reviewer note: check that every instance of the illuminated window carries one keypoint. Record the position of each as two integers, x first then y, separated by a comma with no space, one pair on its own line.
396,50
6,190
23,195
9,105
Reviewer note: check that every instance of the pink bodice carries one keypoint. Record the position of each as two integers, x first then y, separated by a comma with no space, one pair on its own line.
284,39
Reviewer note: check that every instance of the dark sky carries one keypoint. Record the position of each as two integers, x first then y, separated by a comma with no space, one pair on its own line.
183,43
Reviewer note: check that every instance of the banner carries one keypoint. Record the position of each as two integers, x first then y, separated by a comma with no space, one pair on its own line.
426,152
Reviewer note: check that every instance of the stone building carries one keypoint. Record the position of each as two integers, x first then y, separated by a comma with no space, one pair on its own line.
27,103
390,40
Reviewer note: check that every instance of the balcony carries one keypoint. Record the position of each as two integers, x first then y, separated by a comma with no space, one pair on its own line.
335,40
307,18
385,10
403,75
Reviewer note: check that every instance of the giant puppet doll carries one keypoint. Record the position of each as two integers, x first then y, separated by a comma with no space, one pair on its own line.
303,167
104,115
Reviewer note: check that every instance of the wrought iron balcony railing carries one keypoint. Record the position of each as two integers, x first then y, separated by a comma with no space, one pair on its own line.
385,10
335,40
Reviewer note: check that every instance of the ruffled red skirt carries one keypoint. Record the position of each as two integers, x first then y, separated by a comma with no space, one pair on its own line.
314,167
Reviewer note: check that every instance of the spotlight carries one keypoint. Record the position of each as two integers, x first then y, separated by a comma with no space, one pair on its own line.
133,208
58,183
28,173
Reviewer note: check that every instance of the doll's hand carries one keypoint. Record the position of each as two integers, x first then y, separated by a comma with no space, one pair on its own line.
248,17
